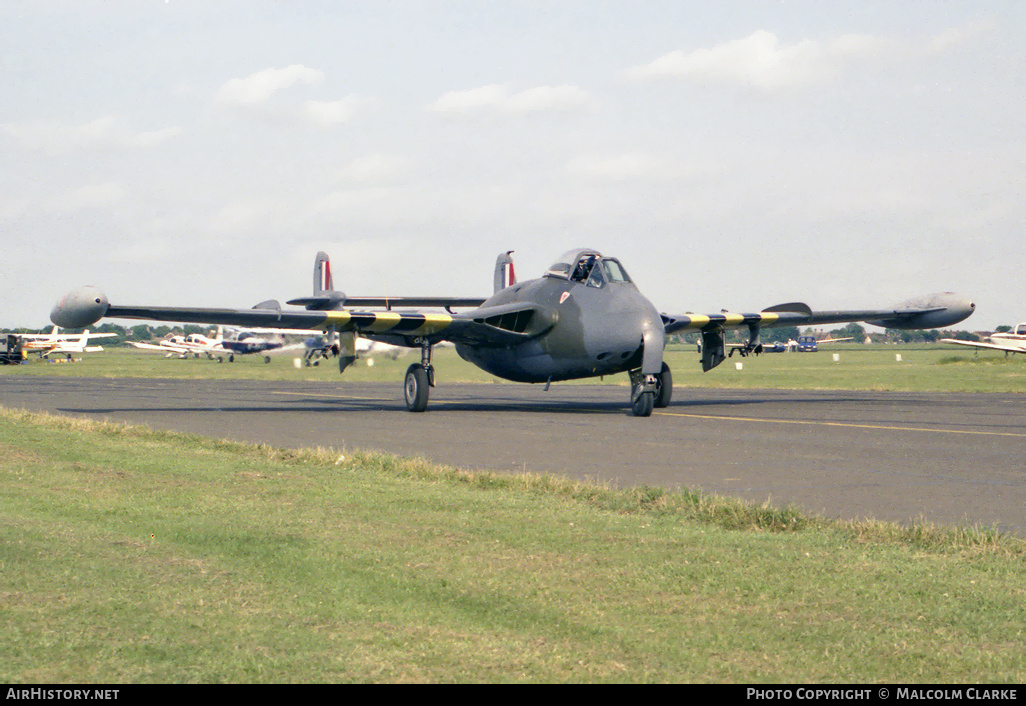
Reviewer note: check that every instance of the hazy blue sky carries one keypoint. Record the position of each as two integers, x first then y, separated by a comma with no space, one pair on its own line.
731,154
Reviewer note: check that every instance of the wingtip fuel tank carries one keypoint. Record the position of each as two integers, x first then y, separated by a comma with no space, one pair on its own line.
80,308
931,312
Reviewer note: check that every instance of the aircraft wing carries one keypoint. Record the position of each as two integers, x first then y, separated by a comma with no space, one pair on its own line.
167,347
491,326
978,344
62,337
65,350
934,311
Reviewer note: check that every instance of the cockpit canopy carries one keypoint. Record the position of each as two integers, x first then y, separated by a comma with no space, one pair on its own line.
587,266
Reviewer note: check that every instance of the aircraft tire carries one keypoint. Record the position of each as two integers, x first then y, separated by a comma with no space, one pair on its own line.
416,388
665,388
643,403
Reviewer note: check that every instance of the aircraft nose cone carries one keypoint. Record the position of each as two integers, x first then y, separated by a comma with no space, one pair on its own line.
80,308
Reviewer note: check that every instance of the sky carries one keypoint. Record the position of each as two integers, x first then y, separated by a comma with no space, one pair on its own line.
732,155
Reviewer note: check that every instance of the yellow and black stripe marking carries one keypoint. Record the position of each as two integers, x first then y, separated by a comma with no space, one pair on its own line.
388,322
724,320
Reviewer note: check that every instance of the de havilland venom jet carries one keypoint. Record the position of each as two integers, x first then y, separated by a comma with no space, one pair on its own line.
583,318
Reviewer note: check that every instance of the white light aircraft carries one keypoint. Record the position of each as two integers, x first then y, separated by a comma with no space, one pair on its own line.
193,345
244,342
47,344
1013,341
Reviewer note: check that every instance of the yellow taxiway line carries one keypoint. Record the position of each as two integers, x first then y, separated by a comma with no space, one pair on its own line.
849,425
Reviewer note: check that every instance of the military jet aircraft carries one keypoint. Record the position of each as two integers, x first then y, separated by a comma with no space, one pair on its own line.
583,318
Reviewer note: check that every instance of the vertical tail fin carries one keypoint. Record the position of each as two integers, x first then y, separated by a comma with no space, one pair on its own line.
504,274
325,296
322,282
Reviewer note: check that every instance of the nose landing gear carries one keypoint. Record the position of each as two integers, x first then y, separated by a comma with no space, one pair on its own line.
650,392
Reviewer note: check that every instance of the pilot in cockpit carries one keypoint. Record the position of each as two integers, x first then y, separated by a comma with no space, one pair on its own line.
583,269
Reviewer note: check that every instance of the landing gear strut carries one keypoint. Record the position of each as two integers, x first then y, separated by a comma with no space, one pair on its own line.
420,377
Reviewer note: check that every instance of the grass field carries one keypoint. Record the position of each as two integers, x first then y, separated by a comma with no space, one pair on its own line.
134,556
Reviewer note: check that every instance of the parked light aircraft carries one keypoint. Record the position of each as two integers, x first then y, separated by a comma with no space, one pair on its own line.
1013,341
192,345
262,341
583,318
53,343
220,347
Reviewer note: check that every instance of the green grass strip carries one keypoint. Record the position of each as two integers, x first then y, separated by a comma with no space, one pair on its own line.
130,556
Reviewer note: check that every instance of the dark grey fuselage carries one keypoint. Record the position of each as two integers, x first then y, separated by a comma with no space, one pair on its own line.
598,331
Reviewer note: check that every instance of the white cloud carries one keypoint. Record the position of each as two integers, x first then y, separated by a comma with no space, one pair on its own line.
328,113
103,133
499,99
763,62
261,86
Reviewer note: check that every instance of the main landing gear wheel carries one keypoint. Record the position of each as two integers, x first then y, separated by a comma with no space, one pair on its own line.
662,398
416,388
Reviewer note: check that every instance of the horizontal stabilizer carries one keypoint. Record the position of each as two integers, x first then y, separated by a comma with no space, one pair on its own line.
327,302
320,303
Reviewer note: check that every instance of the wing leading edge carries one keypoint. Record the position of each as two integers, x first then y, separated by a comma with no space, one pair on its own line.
490,326
934,311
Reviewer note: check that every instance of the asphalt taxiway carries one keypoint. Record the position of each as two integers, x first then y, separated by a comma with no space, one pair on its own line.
896,456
